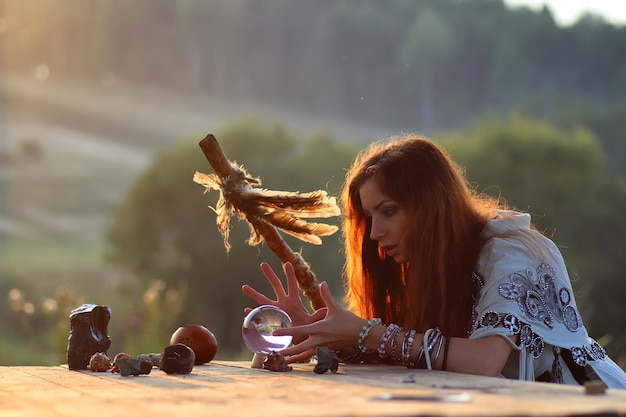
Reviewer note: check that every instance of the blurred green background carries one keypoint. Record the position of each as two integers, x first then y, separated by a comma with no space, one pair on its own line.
103,103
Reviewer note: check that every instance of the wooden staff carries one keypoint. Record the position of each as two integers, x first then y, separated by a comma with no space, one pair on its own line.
235,189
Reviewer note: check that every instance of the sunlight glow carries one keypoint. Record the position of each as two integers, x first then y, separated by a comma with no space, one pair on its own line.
567,12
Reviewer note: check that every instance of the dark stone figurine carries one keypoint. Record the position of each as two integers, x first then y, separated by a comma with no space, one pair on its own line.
88,334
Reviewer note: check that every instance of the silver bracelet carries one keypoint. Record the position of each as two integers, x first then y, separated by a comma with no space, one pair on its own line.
418,358
431,336
441,338
394,344
407,344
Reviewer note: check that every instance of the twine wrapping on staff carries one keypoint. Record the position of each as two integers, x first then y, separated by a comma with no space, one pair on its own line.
268,211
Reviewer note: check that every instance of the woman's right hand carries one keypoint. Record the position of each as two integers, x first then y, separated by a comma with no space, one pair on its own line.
338,328
289,301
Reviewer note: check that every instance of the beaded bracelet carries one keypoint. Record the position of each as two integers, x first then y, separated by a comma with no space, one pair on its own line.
366,329
382,351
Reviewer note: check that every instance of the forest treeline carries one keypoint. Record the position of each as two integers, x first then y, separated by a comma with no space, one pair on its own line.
421,65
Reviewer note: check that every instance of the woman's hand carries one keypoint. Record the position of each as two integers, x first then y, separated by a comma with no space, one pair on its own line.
289,301
339,328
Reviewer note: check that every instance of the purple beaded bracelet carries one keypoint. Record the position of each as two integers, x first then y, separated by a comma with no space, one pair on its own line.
382,351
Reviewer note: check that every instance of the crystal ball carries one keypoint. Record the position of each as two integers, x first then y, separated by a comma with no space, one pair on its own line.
258,326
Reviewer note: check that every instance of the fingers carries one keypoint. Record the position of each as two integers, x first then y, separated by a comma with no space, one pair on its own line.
292,281
300,357
327,297
295,331
325,292
318,315
255,295
273,280
299,349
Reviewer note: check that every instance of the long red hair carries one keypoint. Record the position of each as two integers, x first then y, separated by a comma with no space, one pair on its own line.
433,289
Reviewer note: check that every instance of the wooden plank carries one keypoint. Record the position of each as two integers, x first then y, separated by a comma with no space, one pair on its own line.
235,389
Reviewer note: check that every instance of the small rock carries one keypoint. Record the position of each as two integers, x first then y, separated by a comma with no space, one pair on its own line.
177,359
410,378
275,362
155,358
115,368
134,367
99,362
326,360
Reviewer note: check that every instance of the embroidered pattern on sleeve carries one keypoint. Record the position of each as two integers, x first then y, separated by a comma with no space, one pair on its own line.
538,300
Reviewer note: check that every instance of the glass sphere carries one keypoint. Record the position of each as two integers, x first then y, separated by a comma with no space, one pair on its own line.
259,325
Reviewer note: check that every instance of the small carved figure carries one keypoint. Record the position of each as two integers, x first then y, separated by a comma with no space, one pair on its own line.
88,334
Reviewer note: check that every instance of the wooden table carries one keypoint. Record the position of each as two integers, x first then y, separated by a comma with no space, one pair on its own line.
234,389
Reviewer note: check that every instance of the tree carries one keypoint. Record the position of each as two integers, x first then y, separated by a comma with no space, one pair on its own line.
429,42
165,231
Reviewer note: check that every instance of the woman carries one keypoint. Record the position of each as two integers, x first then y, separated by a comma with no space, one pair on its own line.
444,278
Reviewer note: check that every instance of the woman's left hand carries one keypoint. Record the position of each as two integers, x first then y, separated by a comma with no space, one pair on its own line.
288,301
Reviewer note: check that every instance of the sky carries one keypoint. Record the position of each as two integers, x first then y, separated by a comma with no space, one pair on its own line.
566,12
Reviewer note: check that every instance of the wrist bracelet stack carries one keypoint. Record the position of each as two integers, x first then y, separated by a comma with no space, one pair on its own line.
433,344
427,354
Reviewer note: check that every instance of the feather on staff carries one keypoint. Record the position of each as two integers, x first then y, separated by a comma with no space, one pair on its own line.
266,211
282,209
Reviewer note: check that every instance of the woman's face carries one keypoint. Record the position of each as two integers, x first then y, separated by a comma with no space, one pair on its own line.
389,220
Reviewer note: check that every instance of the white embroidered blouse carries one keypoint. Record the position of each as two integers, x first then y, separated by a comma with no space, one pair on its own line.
523,288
